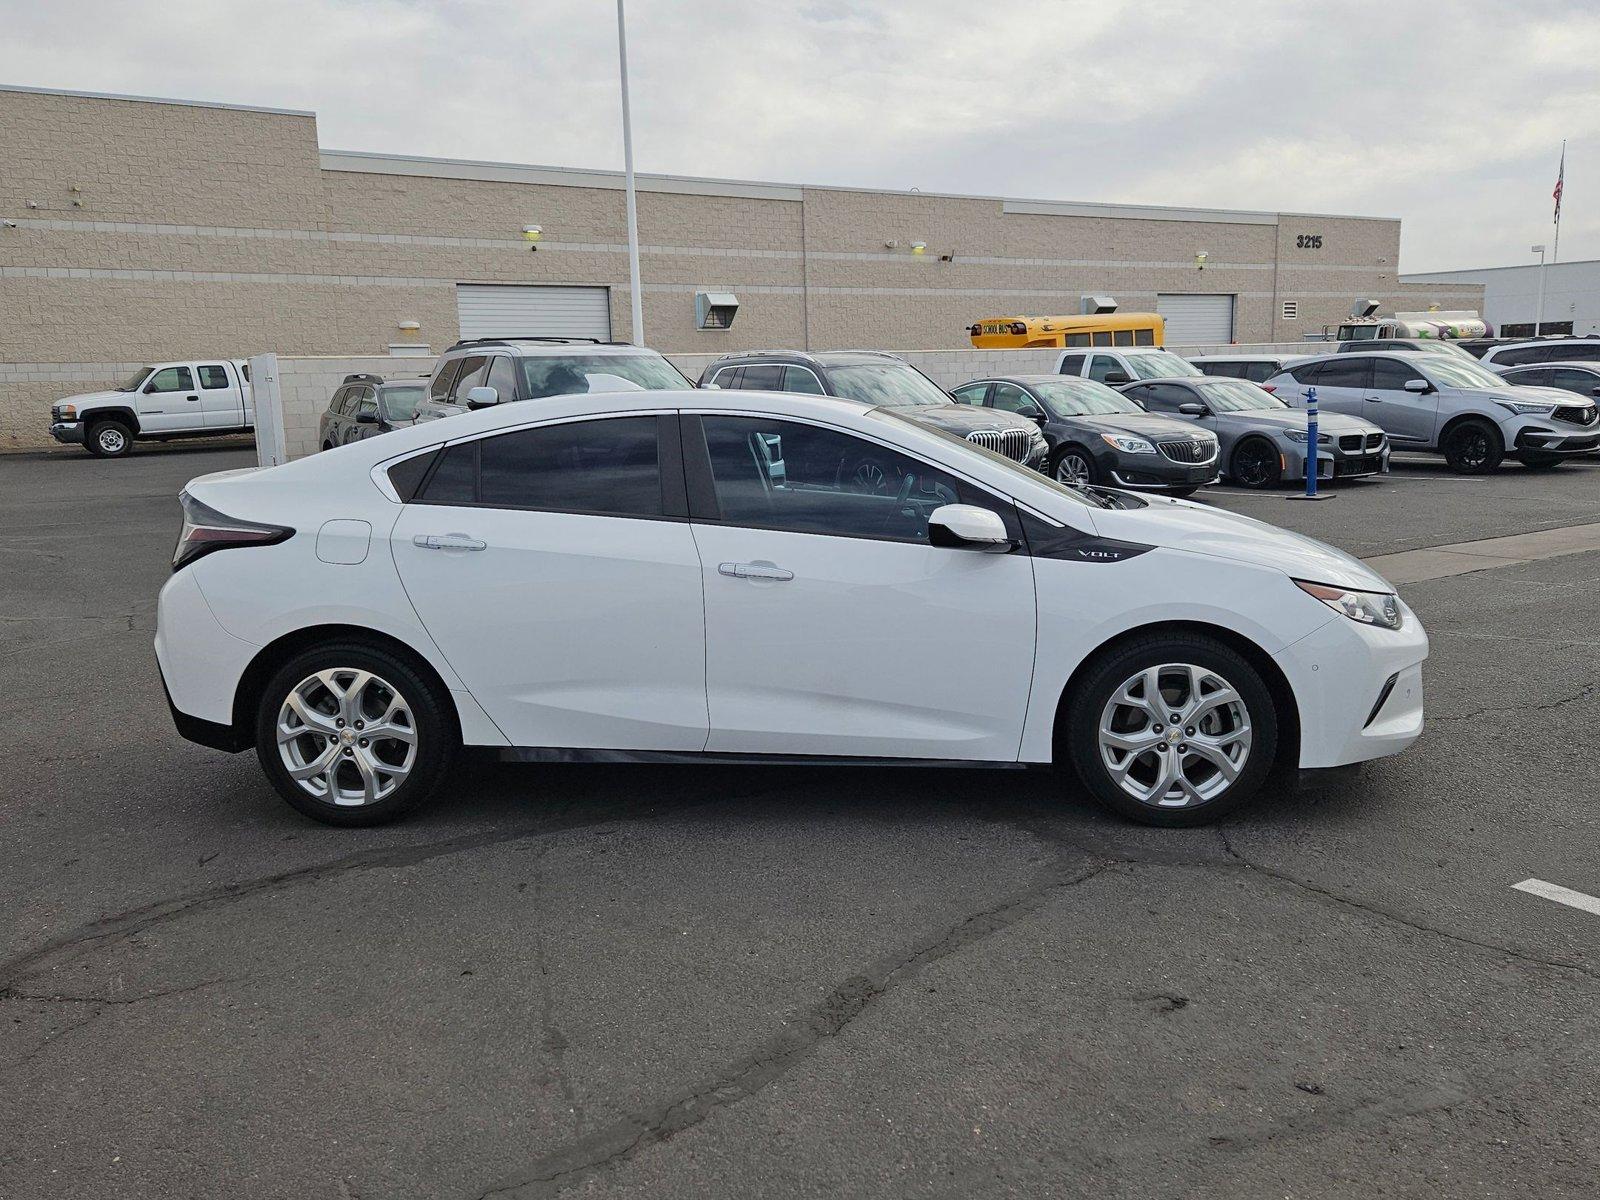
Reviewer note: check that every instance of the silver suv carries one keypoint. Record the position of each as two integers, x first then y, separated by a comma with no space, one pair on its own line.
478,372
1447,404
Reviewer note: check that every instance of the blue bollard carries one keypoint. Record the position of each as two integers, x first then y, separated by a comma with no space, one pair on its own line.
1311,442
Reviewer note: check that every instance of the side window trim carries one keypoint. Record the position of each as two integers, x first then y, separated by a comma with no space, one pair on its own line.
704,506
444,381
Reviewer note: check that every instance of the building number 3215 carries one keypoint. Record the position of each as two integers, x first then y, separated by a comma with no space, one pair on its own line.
1308,241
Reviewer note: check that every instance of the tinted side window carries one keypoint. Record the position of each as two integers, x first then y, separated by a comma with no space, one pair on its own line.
474,371
503,376
1259,372
1350,372
801,379
1529,376
1306,372
806,479
1524,354
971,393
1144,337
1578,354
1010,398
1081,339
440,389
727,377
171,379
765,376
336,405
1390,374
455,479
1103,339
608,466
212,377
1102,365
1072,364
1573,380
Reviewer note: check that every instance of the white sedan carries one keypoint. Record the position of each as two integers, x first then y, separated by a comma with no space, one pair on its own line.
677,576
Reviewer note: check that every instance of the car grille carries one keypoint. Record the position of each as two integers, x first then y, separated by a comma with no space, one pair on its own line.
1374,440
1013,443
1354,443
1351,441
1577,414
1188,450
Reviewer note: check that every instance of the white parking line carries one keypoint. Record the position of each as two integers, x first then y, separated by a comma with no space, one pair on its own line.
1561,895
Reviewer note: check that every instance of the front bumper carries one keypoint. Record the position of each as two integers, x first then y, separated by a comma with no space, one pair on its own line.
68,433
1333,463
1154,472
1359,690
1554,441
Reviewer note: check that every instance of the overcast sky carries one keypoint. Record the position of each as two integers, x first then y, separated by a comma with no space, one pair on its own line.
1448,115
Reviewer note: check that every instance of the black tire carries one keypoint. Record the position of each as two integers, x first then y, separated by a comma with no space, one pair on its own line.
1473,447
1538,460
1106,677
1256,463
432,721
1090,472
109,438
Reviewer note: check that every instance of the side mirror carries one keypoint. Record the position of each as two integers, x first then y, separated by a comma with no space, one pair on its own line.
1420,386
366,416
1115,377
482,397
968,527
1194,409
1594,391
1036,414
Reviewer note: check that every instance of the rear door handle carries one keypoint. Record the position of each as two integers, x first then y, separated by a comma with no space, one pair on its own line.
191,397
735,570
447,541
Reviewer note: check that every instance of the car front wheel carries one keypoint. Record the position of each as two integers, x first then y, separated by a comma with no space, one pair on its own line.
1473,448
109,439
1074,467
1257,464
351,734
1172,729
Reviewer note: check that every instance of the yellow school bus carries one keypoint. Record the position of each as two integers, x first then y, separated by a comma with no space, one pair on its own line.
1106,329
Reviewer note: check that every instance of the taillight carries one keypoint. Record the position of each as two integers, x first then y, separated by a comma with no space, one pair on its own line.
205,530
1269,387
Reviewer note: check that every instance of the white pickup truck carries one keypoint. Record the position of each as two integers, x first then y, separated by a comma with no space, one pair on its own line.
168,400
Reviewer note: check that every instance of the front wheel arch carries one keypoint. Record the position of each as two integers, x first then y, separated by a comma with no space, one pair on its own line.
1287,763
247,695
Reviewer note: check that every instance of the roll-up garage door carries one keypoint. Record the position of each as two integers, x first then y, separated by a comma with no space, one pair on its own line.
509,310
1196,320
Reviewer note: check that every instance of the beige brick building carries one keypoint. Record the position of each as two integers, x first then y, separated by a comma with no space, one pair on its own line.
136,230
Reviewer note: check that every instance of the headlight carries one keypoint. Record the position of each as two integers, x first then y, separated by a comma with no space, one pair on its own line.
66,412
1299,435
1524,409
1128,445
1367,608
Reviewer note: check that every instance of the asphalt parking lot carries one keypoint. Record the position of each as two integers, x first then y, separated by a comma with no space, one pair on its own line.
645,981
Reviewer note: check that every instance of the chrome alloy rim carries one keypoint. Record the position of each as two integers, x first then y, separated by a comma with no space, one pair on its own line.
1073,470
1175,735
111,440
347,736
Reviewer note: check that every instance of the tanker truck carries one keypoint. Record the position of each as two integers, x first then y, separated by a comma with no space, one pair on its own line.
1445,325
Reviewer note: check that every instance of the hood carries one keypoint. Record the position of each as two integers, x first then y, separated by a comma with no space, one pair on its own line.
963,419
111,396
1198,529
1529,394
1149,425
1295,418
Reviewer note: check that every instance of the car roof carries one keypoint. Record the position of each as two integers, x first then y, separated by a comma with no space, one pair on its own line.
824,358
1030,380
533,347
1198,358
1581,363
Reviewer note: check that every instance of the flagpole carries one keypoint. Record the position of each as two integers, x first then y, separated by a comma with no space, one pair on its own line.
1555,253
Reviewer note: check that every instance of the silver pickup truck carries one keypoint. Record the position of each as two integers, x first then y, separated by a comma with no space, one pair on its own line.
200,398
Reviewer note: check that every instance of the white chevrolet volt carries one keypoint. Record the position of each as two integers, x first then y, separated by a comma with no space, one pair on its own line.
699,576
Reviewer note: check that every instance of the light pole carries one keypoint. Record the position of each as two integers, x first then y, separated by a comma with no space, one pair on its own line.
1538,319
627,166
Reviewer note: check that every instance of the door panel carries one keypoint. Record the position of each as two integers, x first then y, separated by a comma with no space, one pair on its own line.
168,402
1404,416
221,401
873,648
569,629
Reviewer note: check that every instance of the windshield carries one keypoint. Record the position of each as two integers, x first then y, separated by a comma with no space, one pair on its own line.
139,377
573,374
400,403
1235,395
1160,365
1086,399
1086,498
1463,372
887,385
1448,348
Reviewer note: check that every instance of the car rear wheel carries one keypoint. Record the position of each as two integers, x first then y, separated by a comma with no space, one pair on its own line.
1074,467
1256,464
109,439
353,735
1473,448
1173,730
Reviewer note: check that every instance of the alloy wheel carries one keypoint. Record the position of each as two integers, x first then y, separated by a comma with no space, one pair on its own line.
1474,448
1175,735
346,736
111,439
1254,464
1072,469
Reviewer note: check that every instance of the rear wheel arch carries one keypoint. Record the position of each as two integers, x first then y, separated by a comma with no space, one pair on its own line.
1283,697
256,676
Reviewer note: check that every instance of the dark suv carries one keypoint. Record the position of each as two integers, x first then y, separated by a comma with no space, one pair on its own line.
884,381
365,405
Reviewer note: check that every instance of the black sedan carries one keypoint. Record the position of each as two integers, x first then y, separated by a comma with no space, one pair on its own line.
366,405
1263,439
1099,436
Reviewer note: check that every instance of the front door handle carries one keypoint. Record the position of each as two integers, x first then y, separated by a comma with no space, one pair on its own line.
447,541
755,570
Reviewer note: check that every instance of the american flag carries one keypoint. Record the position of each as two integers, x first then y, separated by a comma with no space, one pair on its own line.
1561,176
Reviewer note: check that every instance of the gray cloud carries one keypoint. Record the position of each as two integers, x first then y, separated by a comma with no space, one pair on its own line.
1450,117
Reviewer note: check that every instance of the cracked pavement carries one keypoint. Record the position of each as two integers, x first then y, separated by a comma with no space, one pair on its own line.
641,981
